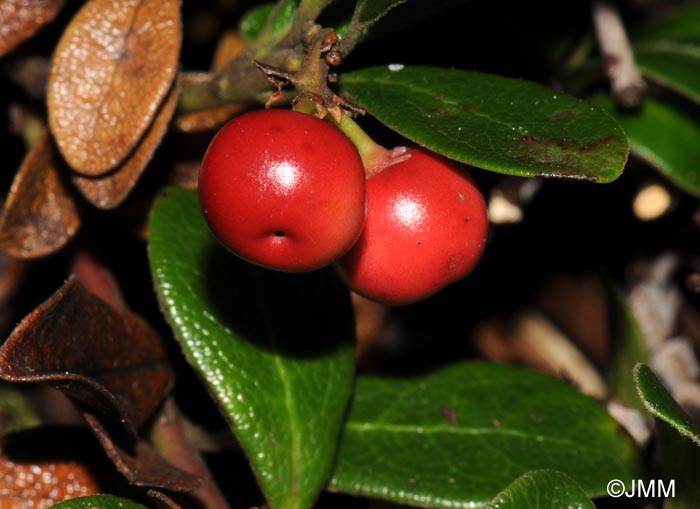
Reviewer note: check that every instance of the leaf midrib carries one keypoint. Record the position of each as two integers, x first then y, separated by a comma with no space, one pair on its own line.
294,487
113,74
454,430
425,92
293,429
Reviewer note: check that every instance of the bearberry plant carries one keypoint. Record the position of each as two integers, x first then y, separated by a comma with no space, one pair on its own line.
349,253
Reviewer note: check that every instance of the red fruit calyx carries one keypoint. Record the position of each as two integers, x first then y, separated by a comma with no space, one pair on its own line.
426,228
283,190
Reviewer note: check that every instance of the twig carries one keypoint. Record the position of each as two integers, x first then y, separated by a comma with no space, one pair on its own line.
628,87
240,81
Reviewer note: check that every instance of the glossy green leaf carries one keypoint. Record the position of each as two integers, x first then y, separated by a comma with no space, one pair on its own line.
270,20
682,25
664,137
673,65
659,402
275,349
499,124
628,348
457,436
98,502
542,489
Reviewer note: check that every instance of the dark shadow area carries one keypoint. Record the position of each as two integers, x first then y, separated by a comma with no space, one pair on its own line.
54,444
297,315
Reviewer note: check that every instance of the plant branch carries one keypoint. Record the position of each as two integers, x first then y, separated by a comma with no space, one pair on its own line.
308,11
628,87
362,21
240,80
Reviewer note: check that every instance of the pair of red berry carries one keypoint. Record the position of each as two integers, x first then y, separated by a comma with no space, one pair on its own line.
288,191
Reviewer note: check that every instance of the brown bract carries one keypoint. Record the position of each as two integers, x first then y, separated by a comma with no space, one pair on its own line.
20,19
109,360
109,191
40,215
230,45
110,73
139,462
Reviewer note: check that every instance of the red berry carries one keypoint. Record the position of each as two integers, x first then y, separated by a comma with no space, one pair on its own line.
426,227
283,190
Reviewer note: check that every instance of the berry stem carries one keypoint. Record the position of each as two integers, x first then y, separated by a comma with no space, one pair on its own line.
375,158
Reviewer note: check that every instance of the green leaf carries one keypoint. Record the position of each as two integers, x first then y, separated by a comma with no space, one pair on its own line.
276,350
628,347
673,65
681,25
542,489
411,13
271,21
659,402
664,137
339,16
16,408
98,502
680,463
499,124
253,21
457,436
368,12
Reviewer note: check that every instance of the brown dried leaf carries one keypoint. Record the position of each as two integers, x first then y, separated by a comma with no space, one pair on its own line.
20,19
162,500
44,466
39,216
185,174
371,324
109,191
230,45
111,71
139,462
109,360
208,120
